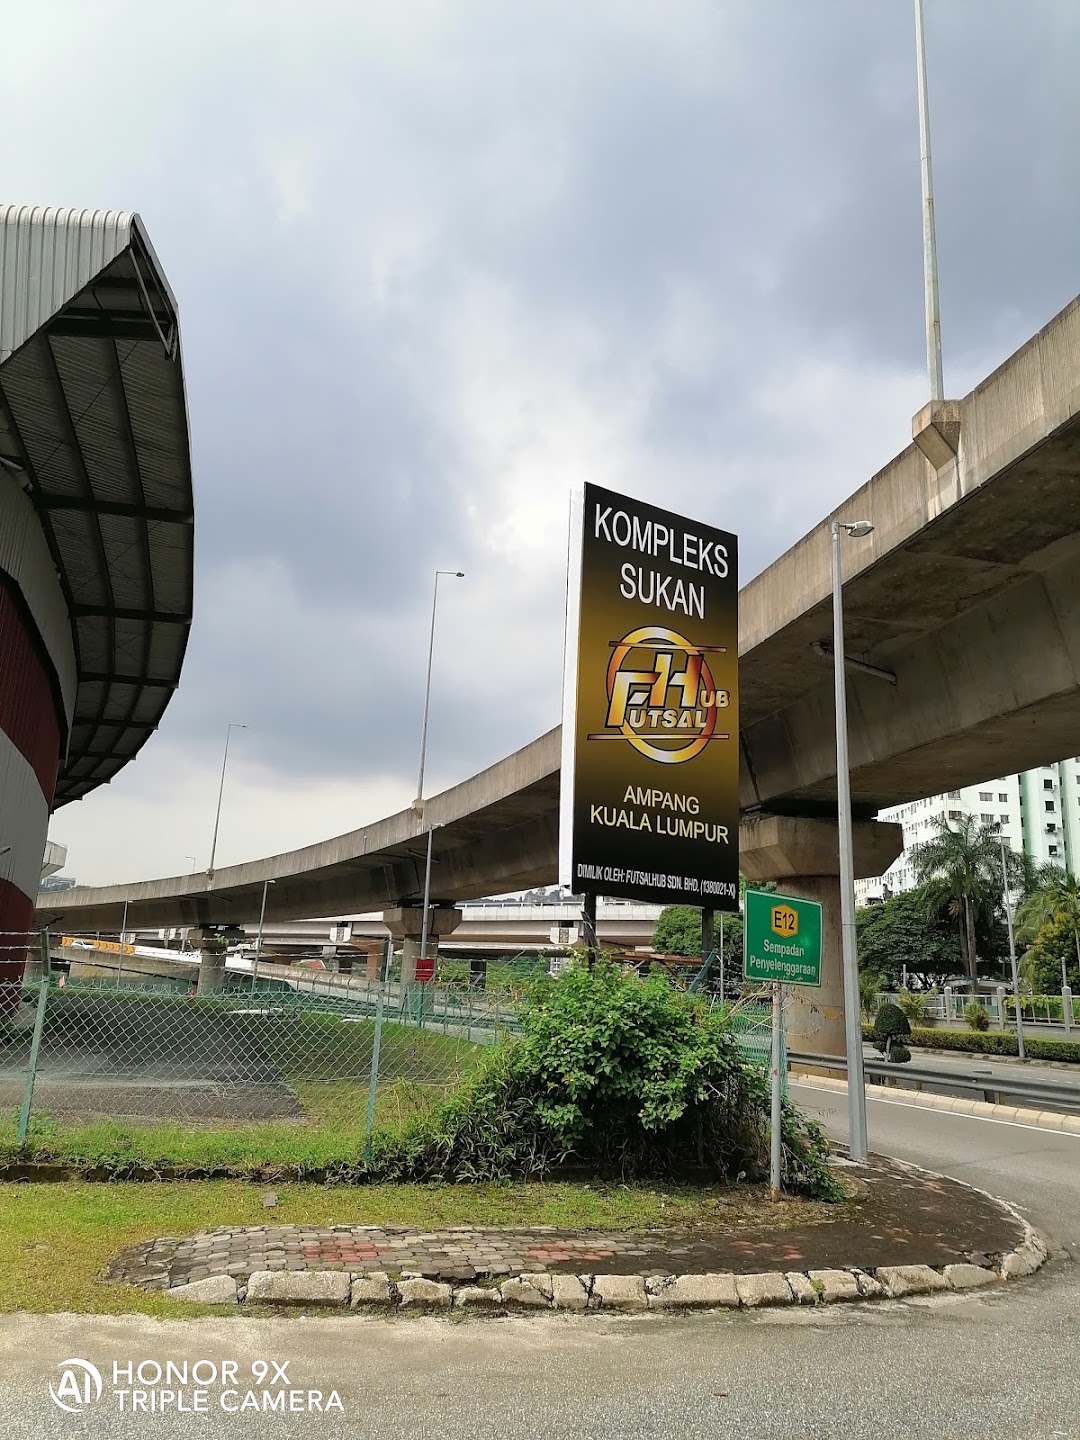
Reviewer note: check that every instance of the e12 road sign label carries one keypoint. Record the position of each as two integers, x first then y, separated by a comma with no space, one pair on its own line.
782,939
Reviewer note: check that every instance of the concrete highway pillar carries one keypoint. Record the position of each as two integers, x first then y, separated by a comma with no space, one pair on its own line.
406,926
211,961
803,857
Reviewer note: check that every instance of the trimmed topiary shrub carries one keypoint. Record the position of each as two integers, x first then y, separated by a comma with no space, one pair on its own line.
993,1042
977,1016
899,1055
890,1023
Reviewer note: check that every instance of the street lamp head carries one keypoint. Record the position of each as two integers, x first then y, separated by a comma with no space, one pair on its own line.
857,529
460,574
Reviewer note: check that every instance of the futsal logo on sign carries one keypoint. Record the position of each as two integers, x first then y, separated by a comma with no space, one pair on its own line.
661,695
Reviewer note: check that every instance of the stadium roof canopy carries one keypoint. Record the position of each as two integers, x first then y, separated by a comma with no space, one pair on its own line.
93,424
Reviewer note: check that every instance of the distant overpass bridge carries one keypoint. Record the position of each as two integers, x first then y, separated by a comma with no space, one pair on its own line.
967,593
499,927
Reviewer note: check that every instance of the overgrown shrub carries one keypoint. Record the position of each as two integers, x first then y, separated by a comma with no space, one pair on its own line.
890,1023
616,1074
977,1016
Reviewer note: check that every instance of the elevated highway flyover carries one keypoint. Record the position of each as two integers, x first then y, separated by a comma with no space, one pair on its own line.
967,594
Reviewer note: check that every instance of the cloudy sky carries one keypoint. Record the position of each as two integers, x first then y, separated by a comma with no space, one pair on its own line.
438,260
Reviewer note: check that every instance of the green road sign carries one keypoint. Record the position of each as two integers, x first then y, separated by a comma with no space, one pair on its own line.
782,939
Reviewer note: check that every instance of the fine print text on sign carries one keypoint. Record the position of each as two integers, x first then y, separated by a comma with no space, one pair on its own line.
650,723
782,938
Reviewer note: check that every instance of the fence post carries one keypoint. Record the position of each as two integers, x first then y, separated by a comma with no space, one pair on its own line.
376,1046
35,1044
1067,1010
1001,1006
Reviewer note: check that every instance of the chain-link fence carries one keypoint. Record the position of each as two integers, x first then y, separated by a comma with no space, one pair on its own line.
112,1048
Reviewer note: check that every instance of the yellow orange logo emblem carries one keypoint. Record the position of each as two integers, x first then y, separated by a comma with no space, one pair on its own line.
661,695
785,921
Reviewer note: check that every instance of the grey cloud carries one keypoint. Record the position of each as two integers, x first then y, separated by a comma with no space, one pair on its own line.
323,189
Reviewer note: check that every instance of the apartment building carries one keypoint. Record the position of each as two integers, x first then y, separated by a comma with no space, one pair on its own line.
1038,811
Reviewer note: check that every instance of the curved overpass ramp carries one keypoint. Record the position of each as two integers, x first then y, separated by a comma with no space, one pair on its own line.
967,595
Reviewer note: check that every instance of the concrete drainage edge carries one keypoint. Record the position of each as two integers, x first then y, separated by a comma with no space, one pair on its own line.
338,1289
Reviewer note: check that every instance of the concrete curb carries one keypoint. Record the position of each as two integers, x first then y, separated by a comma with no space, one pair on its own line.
337,1289
895,1095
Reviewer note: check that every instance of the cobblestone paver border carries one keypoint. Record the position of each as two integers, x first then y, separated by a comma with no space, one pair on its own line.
368,1289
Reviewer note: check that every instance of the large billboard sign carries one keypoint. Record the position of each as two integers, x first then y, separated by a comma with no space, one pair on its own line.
650,769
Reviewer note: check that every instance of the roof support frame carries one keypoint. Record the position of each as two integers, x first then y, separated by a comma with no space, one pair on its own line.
68,424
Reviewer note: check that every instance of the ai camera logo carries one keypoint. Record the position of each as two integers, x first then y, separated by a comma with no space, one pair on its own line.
661,695
79,1386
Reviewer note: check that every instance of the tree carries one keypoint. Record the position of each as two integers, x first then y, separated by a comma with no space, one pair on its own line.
1048,919
959,871
1051,959
900,935
678,931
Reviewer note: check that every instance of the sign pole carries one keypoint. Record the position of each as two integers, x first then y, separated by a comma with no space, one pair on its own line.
775,1076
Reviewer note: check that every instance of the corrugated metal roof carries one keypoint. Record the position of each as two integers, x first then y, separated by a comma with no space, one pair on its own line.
93,412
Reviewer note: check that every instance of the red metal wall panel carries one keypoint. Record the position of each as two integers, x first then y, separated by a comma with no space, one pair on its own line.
28,714
16,920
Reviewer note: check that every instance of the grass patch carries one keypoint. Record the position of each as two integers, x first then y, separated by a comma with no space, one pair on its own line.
57,1239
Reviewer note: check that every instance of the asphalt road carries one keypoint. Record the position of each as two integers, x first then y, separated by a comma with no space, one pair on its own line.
1039,1072
1000,1367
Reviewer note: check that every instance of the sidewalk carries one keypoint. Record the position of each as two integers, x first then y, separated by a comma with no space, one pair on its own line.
905,1218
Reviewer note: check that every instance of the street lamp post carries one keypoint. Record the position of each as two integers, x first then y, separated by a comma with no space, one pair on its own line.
852,1018
930,266
259,937
1012,948
418,803
221,791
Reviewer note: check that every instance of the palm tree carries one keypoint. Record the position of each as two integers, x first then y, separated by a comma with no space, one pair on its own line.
959,868
1054,898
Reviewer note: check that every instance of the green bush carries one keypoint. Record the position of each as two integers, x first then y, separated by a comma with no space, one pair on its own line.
616,1074
977,1016
913,1006
890,1023
869,986
899,1055
996,1042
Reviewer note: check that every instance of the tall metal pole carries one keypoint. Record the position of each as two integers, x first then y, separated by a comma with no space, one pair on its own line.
427,897
721,957
259,938
930,270
221,791
1012,951
852,1016
588,925
460,575
775,1082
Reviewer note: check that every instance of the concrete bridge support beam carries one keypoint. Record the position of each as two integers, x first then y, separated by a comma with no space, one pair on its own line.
406,926
803,857
211,961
